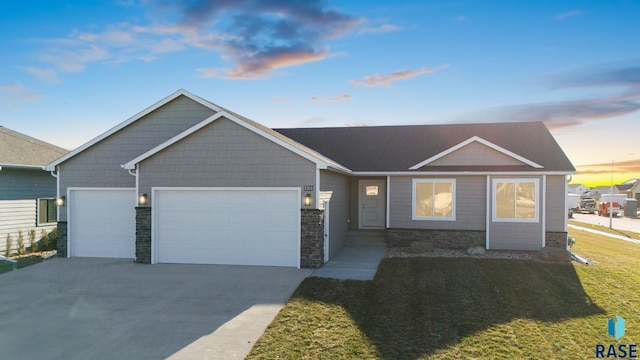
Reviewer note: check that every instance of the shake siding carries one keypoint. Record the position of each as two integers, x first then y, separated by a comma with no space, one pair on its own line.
474,154
225,154
556,208
18,215
470,204
21,184
99,165
517,235
338,186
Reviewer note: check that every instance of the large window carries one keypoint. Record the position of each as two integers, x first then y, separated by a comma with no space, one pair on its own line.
515,200
434,199
47,211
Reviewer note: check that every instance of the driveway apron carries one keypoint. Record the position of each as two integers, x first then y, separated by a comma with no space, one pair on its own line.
83,308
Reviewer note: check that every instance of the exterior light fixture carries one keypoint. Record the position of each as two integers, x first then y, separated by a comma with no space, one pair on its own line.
307,200
142,199
61,200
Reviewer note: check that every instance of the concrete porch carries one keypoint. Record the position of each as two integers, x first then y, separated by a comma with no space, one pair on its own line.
358,259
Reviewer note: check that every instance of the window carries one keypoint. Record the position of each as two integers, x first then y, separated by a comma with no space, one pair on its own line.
515,200
47,211
434,199
371,190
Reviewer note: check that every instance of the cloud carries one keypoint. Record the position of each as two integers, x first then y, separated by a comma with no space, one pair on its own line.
47,75
386,80
10,94
600,75
565,113
625,167
568,14
382,29
256,37
343,97
263,36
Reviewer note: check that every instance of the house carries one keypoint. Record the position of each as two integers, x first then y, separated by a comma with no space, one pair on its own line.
187,181
630,187
578,189
27,191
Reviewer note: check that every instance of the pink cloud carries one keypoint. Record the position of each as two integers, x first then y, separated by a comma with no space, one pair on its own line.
343,97
386,80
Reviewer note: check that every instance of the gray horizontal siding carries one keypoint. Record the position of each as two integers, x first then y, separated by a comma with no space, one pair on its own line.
555,202
22,184
18,215
338,186
475,154
470,204
99,165
225,154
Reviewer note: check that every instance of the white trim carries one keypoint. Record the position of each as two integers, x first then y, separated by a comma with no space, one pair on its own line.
327,227
515,220
543,204
38,223
459,173
131,120
387,204
488,214
414,182
154,213
319,163
566,217
68,205
483,142
317,190
58,194
18,166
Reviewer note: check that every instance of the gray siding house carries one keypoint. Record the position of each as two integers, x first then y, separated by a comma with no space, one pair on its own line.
187,181
27,190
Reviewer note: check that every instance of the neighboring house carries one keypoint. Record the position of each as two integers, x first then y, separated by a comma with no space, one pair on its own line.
27,190
186,181
599,190
631,188
578,189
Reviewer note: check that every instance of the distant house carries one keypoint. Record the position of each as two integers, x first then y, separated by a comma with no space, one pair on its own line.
187,181
630,187
578,189
27,190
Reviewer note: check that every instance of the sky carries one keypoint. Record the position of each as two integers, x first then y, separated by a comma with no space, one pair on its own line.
70,70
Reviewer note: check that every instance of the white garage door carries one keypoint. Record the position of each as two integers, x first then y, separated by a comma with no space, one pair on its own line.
102,223
227,226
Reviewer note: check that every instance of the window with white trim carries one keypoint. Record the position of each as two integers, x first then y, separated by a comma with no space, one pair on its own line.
47,211
515,200
434,199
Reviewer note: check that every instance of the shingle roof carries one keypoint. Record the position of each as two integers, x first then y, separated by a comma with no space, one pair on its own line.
22,150
397,148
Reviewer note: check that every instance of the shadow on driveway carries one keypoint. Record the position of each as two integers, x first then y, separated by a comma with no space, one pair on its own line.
82,308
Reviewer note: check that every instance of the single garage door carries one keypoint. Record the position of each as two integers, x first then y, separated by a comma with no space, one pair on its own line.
102,223
227,226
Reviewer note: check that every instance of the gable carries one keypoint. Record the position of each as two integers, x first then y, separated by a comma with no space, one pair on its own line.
459,153
475,154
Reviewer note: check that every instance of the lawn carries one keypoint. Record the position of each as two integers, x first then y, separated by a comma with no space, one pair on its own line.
629,234
456,308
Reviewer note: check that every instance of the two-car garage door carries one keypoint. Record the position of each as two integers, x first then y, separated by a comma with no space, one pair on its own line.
227,226
195,226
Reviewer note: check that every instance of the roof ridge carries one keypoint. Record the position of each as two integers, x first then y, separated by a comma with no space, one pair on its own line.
31,140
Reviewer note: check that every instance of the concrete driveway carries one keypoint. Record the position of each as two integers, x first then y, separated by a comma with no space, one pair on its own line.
82,308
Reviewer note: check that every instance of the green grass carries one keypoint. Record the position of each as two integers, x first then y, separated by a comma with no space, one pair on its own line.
448,308
630,234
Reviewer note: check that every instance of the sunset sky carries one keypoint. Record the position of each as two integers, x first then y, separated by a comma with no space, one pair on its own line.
70,70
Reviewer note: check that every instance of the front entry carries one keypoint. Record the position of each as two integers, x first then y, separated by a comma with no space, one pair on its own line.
372,204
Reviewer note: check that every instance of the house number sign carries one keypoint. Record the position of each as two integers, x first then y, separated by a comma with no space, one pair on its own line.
308,188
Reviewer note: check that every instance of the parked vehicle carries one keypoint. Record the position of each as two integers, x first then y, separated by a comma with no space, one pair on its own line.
573,204
605,208
588,205
621,199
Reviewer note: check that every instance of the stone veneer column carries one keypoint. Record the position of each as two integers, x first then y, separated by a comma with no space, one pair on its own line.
143,235
556,239
61,239
311,238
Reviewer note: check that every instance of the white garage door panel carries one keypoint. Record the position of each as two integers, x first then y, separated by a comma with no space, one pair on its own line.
241,227
102,223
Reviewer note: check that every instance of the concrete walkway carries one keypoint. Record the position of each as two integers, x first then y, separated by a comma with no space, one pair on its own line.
353,263
619,237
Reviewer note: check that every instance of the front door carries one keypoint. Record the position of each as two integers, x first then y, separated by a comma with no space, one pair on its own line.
372,204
